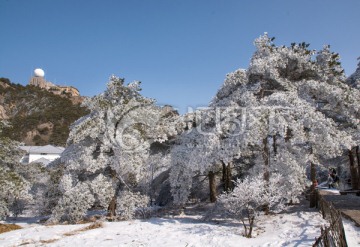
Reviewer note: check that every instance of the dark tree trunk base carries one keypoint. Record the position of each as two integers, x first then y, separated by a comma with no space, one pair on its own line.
312,188
212,186
353,171
112,208
226,177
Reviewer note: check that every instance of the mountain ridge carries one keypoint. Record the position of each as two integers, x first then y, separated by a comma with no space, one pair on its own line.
37,116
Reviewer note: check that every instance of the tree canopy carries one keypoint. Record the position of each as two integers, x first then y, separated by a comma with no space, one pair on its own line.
290,109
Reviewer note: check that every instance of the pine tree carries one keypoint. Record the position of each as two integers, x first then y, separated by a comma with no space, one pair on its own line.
108,150
14,188
287,110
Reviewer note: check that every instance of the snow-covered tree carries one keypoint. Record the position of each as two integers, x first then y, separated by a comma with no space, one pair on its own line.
128,202
290,109
287,109
181,172
250,195
354,154
108,149
205,150
354,79
44,187
297,102
14,188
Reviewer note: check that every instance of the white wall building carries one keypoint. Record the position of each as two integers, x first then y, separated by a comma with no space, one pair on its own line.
41,154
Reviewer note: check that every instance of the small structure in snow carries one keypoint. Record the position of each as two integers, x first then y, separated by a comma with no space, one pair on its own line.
41,154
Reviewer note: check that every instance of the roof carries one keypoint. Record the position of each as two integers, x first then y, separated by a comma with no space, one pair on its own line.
48,149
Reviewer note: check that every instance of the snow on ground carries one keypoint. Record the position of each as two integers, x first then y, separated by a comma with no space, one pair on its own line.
297,227
352,233
290,229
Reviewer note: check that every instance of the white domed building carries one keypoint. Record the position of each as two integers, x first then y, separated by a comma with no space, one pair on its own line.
39,73
38,80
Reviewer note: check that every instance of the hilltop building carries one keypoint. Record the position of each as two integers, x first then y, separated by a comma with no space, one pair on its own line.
38,80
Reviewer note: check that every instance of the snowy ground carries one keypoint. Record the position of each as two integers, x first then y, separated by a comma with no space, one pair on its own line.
299,227
352,233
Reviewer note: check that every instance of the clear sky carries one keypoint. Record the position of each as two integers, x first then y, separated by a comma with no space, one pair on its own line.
181,50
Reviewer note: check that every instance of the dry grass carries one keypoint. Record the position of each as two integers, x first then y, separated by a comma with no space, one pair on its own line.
67,234
26,242
97,224
30,241
49,241
8,227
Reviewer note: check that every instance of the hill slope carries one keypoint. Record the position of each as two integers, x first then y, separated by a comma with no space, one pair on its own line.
36,116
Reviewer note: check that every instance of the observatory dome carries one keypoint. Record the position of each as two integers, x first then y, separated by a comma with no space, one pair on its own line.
39,73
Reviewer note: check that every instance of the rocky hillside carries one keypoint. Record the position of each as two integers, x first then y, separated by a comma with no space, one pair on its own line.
36,116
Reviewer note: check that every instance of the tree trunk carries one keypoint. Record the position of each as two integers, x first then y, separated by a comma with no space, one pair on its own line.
312,173
265,155
251,223
245,228
112,207
212,186
353,171
358,163
312,188
274,145
226,177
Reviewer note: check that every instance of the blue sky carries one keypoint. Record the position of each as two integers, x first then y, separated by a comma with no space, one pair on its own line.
181,50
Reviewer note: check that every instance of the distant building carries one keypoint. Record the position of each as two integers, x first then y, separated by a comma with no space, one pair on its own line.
38,80
41,154
41,83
